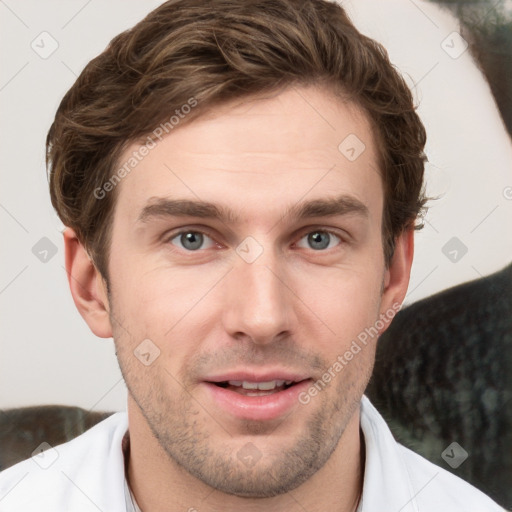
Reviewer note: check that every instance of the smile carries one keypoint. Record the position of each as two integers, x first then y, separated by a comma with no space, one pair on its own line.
249,388
255,397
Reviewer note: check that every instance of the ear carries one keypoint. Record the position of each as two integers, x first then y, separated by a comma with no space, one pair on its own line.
396,278
87,286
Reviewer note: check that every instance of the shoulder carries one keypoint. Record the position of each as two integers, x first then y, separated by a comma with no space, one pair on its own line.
70,476
436,487
404,480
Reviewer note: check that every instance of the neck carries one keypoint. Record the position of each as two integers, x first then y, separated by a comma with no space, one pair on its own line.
159,484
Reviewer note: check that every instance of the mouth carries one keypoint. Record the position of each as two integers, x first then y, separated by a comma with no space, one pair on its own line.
252,388
258,397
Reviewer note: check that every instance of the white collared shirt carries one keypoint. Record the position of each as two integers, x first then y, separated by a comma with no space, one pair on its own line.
87,474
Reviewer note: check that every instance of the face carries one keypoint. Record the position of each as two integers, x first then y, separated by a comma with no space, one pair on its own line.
246,258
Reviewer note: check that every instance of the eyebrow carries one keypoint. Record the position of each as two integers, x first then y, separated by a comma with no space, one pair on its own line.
163,207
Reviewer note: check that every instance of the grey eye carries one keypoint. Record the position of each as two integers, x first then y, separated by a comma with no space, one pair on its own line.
191,240
319,240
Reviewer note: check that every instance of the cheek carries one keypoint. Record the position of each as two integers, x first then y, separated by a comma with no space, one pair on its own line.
164,304
346,299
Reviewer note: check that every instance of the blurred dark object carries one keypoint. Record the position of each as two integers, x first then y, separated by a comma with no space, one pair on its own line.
443,374
487,26
23,429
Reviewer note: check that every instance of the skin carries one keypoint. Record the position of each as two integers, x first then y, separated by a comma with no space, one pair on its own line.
296,307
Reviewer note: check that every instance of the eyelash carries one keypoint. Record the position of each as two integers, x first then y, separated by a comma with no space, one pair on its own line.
172,236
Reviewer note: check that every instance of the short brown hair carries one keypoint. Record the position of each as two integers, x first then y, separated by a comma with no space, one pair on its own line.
214,52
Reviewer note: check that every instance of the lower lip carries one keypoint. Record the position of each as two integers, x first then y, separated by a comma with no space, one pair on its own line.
258,408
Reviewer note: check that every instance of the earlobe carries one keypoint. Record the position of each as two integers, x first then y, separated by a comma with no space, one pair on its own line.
396,280
87,286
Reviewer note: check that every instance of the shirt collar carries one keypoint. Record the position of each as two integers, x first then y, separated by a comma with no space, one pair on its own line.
131,503
386,476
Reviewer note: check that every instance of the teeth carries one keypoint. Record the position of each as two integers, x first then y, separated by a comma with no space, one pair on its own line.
264,386
249,385
272,384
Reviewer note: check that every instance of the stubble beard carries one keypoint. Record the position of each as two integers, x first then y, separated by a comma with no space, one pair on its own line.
187,431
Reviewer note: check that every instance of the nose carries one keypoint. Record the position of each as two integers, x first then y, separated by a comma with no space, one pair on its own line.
258,302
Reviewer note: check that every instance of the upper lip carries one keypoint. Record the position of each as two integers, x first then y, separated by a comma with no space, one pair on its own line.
258,376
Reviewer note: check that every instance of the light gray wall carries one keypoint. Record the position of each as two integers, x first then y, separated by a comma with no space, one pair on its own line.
47,353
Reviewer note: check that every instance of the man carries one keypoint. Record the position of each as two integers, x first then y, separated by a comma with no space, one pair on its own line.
240,182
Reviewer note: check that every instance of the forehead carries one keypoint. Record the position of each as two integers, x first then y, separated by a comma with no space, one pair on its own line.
260,156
